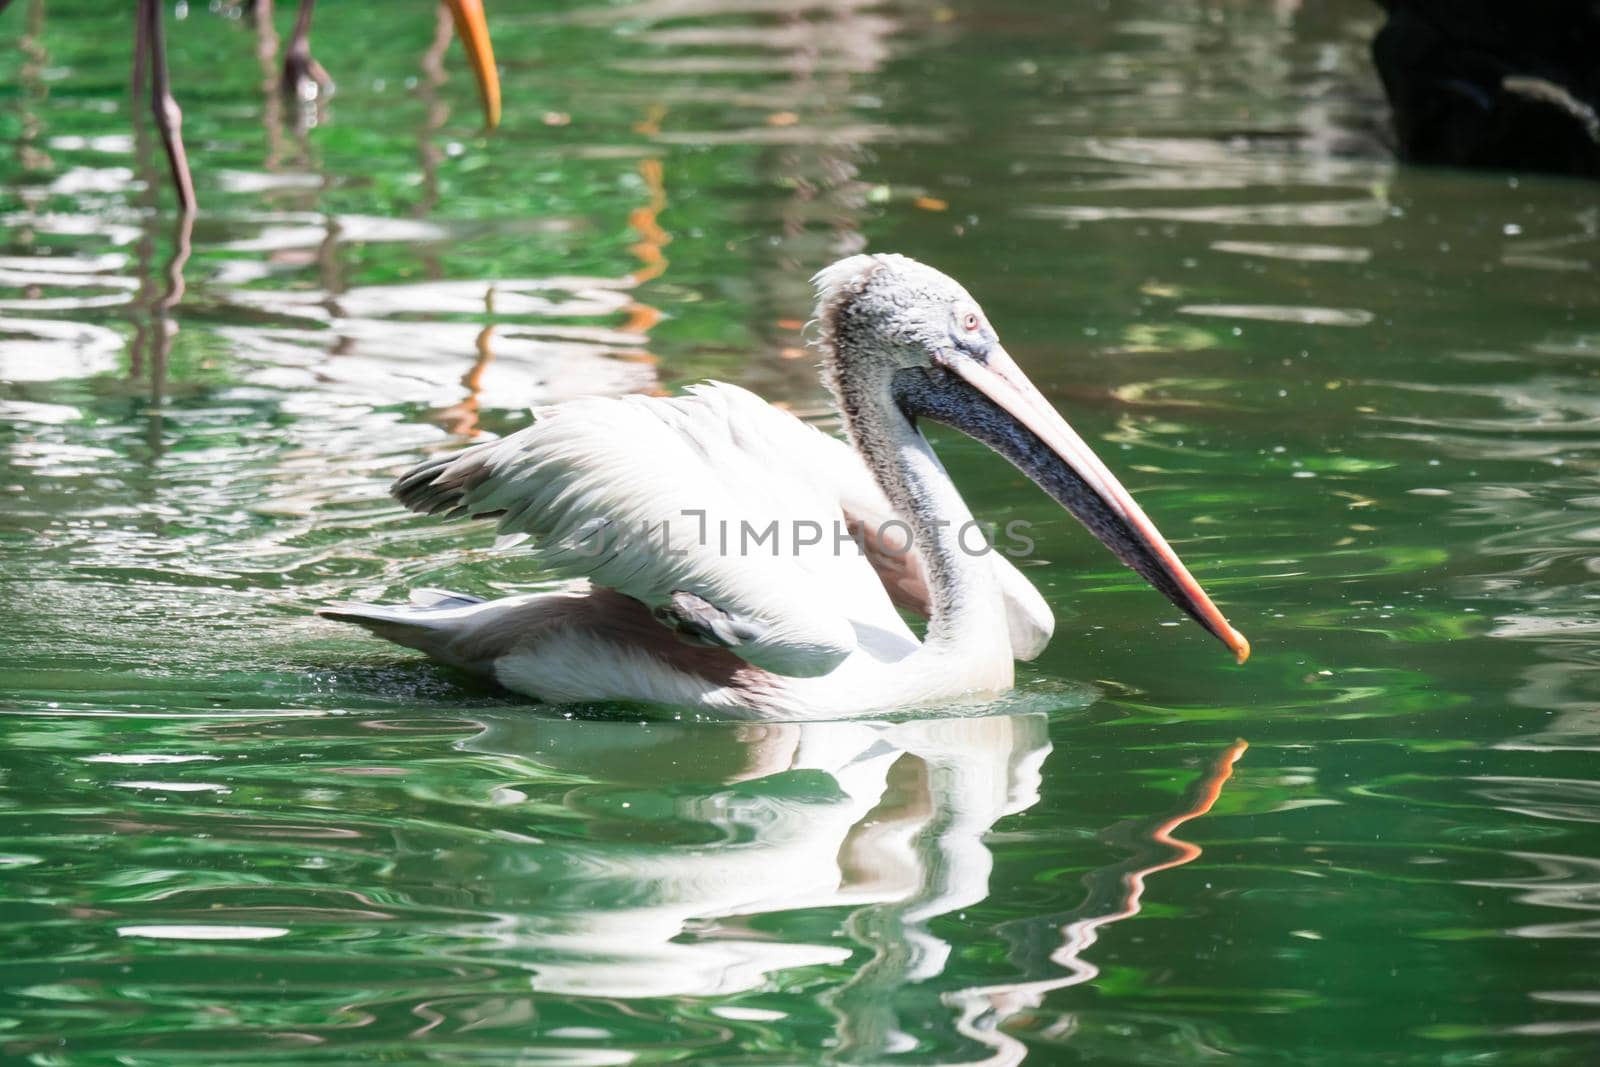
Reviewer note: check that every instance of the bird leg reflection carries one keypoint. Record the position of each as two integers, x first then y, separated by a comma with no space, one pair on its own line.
434,114
462,418
271,102
152,326
1114,893
648,249
35,90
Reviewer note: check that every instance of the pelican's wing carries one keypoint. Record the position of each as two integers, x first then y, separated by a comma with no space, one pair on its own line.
709,508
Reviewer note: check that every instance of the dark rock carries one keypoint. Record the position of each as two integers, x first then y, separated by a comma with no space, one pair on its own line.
1494,83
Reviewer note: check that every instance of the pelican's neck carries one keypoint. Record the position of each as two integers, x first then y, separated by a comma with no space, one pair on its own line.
966,608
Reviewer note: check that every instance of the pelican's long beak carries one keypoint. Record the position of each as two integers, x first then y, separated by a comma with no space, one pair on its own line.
473,29
1001,408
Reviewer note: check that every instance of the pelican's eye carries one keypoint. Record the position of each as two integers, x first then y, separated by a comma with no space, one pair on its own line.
970,335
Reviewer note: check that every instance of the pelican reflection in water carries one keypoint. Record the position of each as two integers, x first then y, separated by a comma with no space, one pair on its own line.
803,628
688,842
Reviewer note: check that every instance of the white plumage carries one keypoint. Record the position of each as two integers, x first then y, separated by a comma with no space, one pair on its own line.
650,496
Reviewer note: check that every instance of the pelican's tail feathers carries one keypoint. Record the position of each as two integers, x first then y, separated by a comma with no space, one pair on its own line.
447,626
442,598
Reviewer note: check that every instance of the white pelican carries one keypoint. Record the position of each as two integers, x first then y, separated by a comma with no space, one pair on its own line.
708,531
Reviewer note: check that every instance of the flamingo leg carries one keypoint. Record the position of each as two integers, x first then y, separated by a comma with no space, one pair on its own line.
150,54
303,77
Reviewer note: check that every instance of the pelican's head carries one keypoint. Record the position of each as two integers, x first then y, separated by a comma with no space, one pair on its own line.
886,312
898,335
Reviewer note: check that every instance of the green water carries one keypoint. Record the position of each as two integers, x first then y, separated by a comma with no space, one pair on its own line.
1362,400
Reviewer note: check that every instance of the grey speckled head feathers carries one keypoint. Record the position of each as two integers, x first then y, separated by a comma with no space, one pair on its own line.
885,287
884,308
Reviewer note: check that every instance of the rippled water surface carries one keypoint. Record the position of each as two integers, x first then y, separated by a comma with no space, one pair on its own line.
1362,398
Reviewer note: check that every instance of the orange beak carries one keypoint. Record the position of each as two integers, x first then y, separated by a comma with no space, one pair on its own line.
1034,436
473,29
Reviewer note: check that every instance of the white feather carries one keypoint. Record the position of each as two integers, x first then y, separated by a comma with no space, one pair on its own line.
650,495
